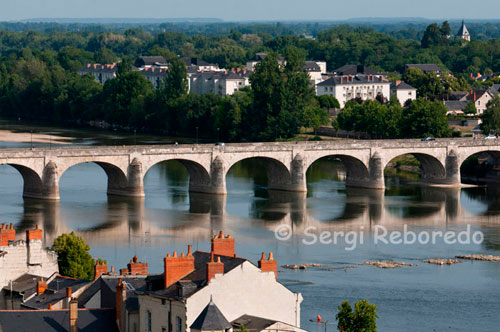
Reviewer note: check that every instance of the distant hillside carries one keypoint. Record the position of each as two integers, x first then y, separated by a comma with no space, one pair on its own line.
111,20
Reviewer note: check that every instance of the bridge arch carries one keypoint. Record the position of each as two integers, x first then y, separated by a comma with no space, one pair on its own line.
117,178
432,168
32,181
480,165
199,176
357,172
278,173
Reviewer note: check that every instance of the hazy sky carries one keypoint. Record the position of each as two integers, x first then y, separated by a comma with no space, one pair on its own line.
234,10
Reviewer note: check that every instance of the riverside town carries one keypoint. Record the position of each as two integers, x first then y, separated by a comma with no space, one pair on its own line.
288,166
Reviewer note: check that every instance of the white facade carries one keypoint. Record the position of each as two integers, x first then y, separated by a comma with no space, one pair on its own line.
245,290
102,73
404,92
21,257
482,102
349,88
219,83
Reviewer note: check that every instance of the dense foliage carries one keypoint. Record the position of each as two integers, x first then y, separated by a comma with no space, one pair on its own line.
362,319
491,117
421,118
38,79
73,256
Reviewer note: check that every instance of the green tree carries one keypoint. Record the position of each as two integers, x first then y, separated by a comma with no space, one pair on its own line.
73,256
176,84
491,116
470,108
432,36
424,118
362,319
445,31
328,101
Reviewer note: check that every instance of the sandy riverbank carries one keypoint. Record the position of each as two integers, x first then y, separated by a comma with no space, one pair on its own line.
27,137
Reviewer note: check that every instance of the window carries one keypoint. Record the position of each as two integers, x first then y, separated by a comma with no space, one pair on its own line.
179,325
148,321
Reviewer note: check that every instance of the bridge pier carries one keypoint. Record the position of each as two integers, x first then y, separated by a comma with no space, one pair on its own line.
132,186
217,183
49,187
373,179
452,169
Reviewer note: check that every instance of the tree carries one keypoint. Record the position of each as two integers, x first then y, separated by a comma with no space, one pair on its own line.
363,319
176,84
470,108
445,31
73,257
432,36
424,118
328,101
491,116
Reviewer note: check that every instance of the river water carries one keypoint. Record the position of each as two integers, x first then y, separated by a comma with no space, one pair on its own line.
421,297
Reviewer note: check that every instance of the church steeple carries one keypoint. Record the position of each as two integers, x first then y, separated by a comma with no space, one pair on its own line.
463,33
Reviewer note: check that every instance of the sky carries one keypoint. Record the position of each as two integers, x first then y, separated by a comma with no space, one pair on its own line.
239,10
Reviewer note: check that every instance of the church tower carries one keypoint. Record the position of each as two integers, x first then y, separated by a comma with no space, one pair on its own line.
463,33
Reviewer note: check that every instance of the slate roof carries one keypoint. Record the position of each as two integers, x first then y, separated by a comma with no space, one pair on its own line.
195,62
355,70
191,283
252,323
107,286
455,105
211,319
57,320
343,80
426,68
463,31
312,66
55,292
150,60
25,284
495,89
402,86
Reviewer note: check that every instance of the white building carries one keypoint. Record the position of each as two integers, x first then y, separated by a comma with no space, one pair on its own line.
463,32
220,83
345,88
315,69
155,75
24,256
102,73
403,92
178,298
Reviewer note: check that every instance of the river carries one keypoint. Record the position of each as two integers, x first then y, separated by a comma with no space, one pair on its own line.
422,297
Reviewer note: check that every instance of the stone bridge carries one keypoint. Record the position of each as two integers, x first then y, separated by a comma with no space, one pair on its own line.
286,163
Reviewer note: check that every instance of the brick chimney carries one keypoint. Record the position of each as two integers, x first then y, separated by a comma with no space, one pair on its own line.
121,299
9,231
34,234
100,268
223,246
73,315
268,265
214,267
69,292
41,286
137,268
4,240
177,267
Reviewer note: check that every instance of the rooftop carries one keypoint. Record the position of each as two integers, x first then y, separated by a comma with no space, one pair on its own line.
350,80
57,320
211,319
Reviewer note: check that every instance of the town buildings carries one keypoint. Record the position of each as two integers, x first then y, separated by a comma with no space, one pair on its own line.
18,257
102,73
403,92
364,87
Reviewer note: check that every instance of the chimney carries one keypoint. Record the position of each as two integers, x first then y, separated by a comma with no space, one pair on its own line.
121,299
100,268
41,286
34,234
73,315
137,268
4,240
223,246
177,267
268,265
8,231
69,292
214,267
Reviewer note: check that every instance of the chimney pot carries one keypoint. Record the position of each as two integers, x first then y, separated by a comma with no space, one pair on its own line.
69,292
73,315
189,251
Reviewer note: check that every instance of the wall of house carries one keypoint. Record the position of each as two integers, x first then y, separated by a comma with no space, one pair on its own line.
482,102
404,95
346,92
22,257
247,290
160,311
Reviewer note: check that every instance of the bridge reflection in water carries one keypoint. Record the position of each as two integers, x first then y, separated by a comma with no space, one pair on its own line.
128,219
